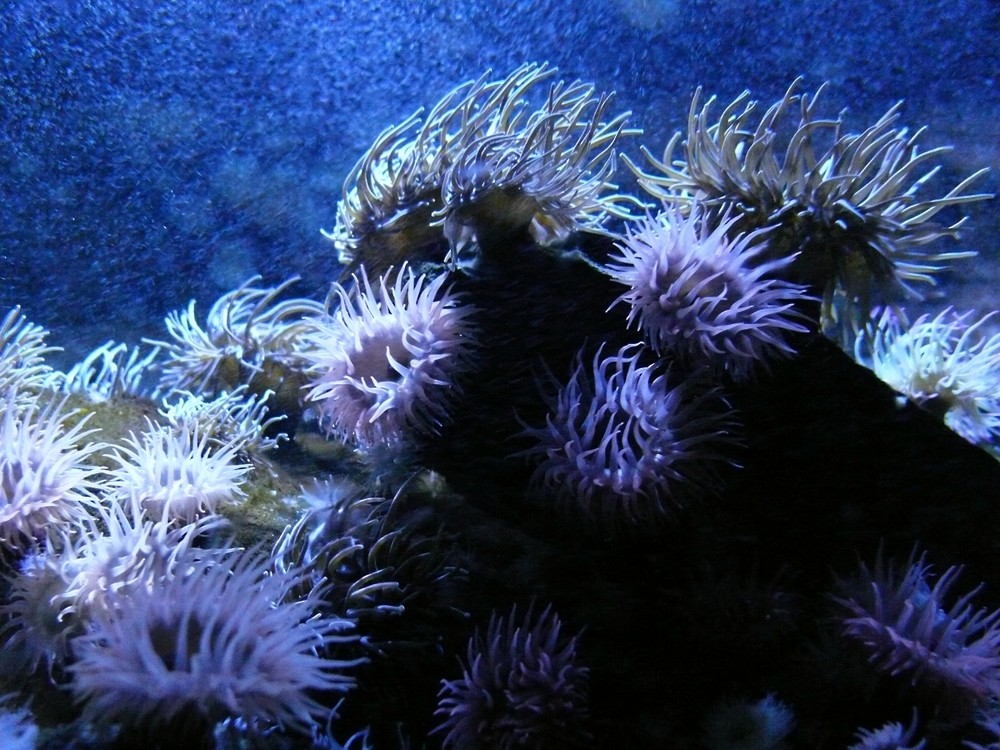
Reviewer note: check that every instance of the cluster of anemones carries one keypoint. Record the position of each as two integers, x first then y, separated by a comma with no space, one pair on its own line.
121,579
845,205
386,364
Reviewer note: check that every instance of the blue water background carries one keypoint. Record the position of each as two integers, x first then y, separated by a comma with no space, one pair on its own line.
153,152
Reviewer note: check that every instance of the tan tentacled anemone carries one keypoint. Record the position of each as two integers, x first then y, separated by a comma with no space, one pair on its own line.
480,167
249,338
848,203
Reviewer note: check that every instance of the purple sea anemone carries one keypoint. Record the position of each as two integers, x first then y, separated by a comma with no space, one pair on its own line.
695,292
45,478
906,627
625,444
218,639
521,687
385,365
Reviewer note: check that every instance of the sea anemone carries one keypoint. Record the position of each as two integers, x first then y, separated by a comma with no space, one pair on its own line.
745,725
233,418
386,364
696,293
548,174
95,563
383,564
108,372
218,639
845,205
624,444
248,339
890,736
177,473
122,549
46,480
23,371
34,630
945,365
521,687
950,652
480,163
18,729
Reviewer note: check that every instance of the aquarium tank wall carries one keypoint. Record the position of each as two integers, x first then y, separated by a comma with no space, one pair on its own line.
521,375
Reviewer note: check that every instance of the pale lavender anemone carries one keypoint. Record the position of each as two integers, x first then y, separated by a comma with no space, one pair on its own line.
178,473
696,293
908,628
219,639
92,566
625,444
521,687
385,366
46,477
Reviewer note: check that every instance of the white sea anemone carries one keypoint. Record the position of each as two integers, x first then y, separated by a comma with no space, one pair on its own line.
236,418
59,589
705,297
22,358
624,444
45,477
125,549
386,364
219,639
943,363
109,371
177,473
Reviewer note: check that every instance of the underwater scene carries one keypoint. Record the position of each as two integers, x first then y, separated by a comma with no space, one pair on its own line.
474,376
